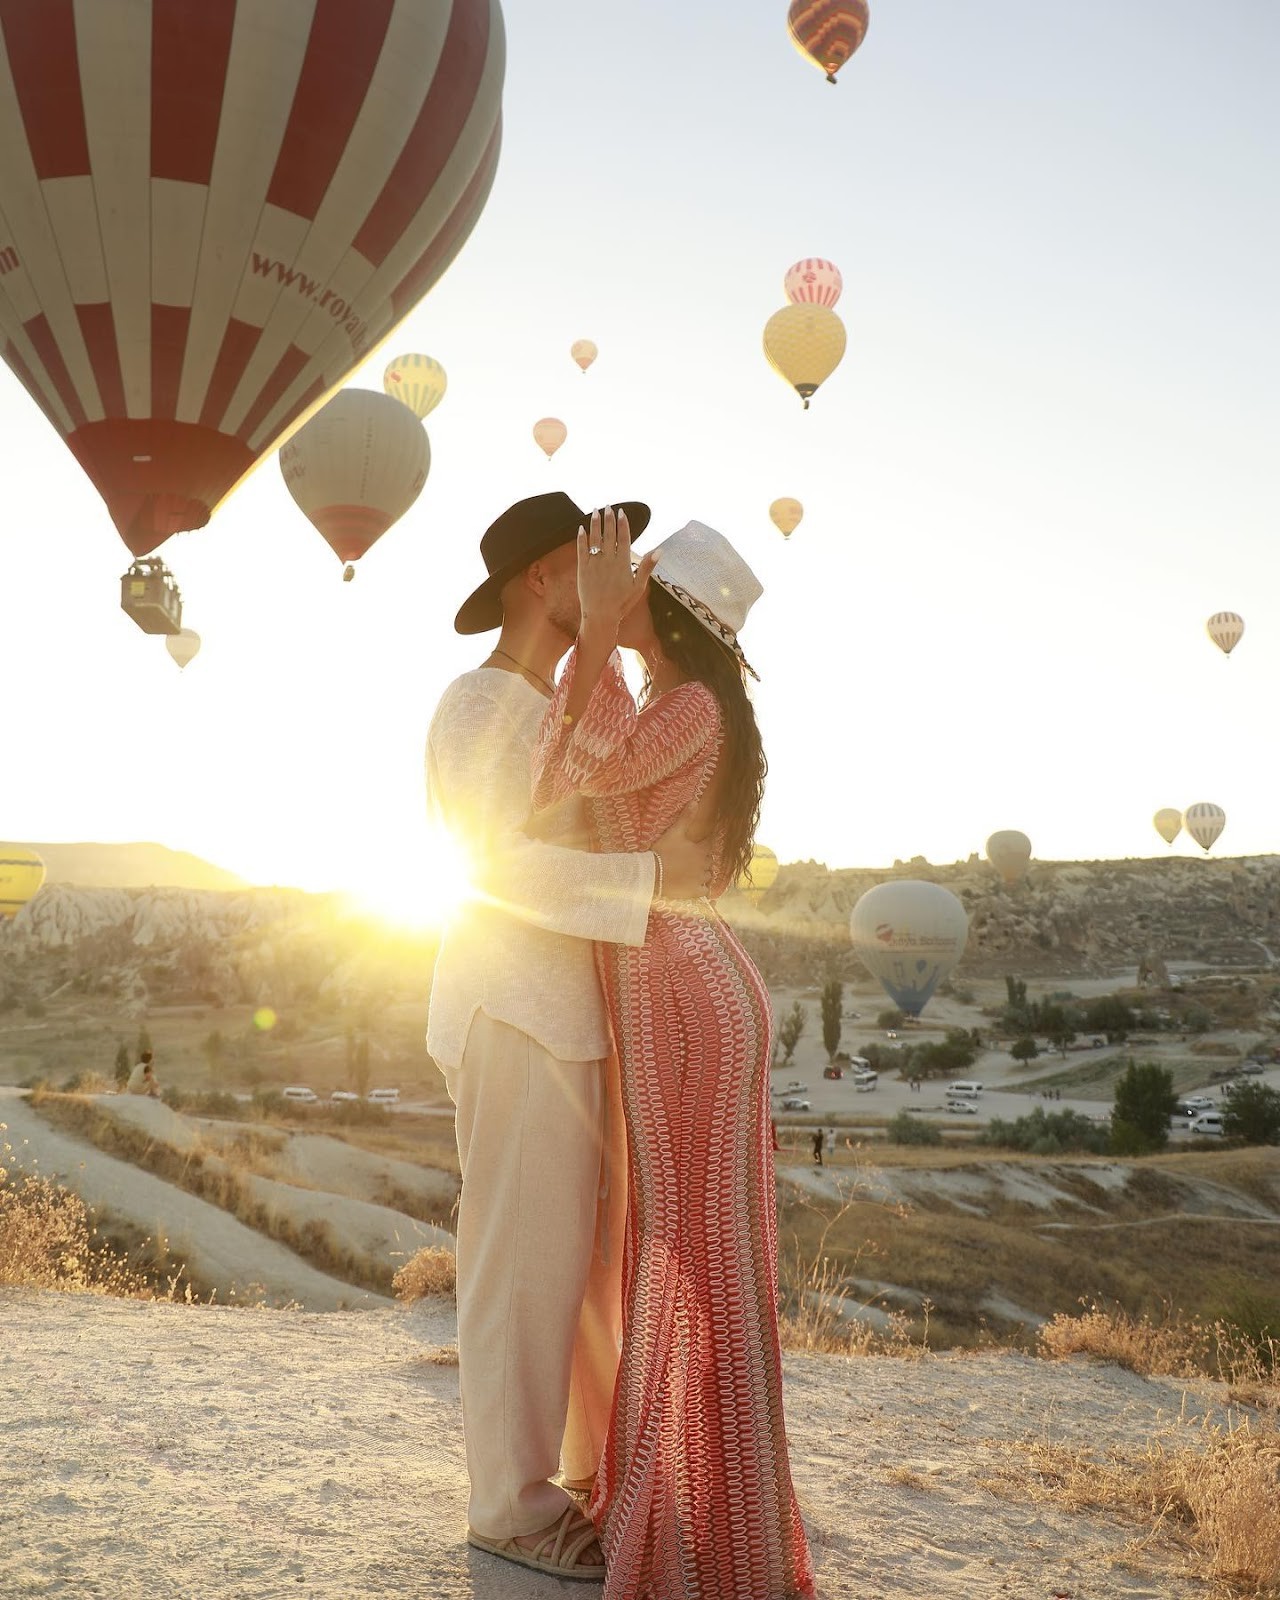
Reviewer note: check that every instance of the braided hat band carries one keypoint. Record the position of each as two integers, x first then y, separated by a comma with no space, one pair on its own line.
704,614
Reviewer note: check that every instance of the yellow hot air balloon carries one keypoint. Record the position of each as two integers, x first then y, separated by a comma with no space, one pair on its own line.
787,516
1204,822
828,31
419,381
761,875
356,468
549,434
21,874
1226,629
584,352
1009,852
805,344
184,647
1168,823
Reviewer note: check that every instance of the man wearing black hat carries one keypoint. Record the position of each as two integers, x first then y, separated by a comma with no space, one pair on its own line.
518,1026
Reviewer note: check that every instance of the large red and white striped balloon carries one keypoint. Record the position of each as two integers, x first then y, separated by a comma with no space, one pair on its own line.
813,282
211,210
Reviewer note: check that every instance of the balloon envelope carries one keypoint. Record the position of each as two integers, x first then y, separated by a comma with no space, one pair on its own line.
1204,822
813,282
418,382
805,345
1168,823
1009,852
21,874
356,468
828,31
550,433
787,516
763,873
210,213
1226,629
910,935
584,352
184,647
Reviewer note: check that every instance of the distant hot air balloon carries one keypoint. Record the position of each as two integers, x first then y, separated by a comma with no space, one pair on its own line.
184,647
21,874
1009,852
1168,823
1226,629
910,935
356,468
419,382
1204,822
805,345
813,282
828,31
584,352
549,435
787,516
210,213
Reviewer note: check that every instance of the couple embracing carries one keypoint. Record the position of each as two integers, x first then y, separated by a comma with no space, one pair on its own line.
606,1042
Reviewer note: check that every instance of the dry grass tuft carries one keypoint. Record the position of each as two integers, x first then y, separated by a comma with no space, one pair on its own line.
445,1355
432,1271
1211,1493
906,1479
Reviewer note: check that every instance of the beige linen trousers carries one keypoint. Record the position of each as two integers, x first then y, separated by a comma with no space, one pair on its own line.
542,1145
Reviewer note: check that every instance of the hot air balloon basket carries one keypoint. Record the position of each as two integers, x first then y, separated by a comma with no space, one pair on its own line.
150,596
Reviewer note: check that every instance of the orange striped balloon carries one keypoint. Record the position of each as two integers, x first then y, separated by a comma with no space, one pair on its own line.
212,210
828,31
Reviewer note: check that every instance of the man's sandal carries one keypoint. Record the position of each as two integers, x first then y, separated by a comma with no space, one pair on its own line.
557,1554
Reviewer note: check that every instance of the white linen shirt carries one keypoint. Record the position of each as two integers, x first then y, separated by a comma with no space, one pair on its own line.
521,952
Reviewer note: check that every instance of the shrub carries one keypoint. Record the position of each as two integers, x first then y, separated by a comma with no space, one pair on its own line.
48,1241
1047,1133
1144,1103
1252,1113
906,1129
432,1271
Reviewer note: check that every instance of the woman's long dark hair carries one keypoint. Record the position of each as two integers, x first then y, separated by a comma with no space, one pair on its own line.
701,656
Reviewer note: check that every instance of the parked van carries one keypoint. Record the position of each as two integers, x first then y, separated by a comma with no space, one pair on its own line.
384,1097
300,1093
970,1091
1208,1122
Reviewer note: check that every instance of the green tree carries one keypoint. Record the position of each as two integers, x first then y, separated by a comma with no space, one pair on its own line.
889,1019
832,1009
906,1129
1252,1112
1058,1028
1024,1049
790,1030
1110,1015
1144,1103
123,1065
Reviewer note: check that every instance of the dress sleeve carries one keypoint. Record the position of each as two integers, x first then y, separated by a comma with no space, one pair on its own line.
478,790
615,749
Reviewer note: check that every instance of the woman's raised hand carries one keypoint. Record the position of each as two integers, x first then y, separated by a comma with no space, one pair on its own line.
607,586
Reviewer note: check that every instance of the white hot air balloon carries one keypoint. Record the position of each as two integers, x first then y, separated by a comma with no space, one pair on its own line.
1167,823
356,468
1009,852
1226,629
909,934
1204,822
813,282
549,434
584,352
184,647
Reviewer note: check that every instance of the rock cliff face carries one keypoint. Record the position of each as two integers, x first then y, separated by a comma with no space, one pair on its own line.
278,946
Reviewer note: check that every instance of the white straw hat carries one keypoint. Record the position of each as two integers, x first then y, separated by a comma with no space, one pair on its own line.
702,570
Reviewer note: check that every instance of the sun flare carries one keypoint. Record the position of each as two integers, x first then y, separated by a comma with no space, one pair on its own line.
419,887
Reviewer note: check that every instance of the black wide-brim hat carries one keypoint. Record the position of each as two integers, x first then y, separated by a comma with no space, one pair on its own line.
524,532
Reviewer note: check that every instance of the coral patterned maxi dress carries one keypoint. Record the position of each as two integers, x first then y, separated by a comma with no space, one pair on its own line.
693,1499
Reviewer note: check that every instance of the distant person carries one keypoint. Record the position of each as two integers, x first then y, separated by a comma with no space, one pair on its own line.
142,1080
831,1141
817,1145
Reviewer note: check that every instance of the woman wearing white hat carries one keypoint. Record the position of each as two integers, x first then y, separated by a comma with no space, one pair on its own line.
694,1494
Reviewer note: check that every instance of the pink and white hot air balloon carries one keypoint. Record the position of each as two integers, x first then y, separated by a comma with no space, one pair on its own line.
356,467
211,210
549,433
813,282
584,352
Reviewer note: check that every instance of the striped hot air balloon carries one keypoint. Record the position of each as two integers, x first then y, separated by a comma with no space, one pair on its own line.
356,467
1204,822
211,210
1226,629
828,31
21,874
814,282
418,382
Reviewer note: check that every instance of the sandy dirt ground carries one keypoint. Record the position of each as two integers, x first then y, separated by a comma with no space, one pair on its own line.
162,1450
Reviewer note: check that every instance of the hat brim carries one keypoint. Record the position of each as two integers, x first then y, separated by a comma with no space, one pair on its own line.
482,610
709,624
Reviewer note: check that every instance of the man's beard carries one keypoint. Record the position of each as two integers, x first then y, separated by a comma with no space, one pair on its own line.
565,615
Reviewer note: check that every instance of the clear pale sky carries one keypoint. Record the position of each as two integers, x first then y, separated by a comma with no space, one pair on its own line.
1048,456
